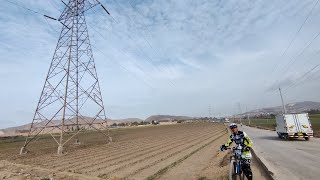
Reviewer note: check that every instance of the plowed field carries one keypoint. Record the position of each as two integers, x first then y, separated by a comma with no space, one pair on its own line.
181,151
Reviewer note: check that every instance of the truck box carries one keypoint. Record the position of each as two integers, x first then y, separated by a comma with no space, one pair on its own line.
294,126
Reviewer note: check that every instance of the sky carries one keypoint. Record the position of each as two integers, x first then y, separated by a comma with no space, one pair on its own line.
177,57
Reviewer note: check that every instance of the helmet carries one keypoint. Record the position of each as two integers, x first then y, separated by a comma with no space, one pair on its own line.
233,125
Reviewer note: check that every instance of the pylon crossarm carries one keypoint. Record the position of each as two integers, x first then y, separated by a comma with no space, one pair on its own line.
86,7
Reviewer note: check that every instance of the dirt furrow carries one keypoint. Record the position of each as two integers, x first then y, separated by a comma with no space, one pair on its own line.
158,164
169,149
129,151
96,152
166,166
136,155
113,154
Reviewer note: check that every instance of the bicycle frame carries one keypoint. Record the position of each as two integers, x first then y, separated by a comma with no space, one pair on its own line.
237,156
236,159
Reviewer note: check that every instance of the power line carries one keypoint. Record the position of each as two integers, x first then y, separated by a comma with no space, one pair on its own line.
106,55
124,68
139,48
296,34
120,51
295,58
303,81
36,12
144,37
28,9
54,6
300,79
50,25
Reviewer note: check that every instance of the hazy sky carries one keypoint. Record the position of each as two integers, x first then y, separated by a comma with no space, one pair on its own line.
169,56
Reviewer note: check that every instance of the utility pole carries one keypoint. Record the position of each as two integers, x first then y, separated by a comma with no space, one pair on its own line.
240,112
248,117
283,105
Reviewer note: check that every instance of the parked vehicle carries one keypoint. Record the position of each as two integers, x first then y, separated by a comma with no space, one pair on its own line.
291,126
154,122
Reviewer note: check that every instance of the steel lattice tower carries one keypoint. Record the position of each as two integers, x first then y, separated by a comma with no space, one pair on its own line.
71,100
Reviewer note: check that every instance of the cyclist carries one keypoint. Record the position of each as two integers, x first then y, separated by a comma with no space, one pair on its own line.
240,137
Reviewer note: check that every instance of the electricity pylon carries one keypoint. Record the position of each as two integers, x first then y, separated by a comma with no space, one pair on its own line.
71,100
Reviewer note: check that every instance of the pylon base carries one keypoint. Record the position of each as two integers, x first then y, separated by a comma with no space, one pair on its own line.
77,142
60,150
110,140
23,151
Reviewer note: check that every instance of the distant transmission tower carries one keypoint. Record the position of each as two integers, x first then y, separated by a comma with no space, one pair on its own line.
71,100
240,112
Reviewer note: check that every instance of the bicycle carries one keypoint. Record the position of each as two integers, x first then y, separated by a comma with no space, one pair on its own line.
235,166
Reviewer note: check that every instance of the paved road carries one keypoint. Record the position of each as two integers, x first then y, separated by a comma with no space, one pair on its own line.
294,160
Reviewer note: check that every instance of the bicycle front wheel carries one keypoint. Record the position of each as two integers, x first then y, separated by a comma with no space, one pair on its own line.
232,171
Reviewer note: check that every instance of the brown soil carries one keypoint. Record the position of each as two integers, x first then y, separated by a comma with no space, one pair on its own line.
187,151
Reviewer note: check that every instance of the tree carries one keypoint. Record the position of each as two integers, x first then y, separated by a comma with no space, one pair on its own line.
135,123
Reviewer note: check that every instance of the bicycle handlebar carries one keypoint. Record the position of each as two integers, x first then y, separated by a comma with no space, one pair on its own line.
233,148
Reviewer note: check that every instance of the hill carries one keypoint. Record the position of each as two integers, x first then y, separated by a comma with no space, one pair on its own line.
12,131
166,118
297,107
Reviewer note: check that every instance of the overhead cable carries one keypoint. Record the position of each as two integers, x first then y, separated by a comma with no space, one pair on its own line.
296,34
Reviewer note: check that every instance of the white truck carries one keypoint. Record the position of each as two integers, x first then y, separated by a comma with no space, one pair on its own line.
291,126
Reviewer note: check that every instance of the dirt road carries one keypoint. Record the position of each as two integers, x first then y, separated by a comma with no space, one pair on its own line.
294,159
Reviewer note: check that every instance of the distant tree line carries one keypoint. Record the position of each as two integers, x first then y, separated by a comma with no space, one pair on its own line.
264,116
314,111
135,123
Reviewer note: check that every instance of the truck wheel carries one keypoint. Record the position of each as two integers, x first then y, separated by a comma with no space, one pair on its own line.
286,137
279,135
307,138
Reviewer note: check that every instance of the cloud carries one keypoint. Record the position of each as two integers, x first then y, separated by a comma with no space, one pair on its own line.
173,56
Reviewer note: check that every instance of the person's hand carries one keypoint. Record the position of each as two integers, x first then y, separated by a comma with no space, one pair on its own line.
223,147
246,149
